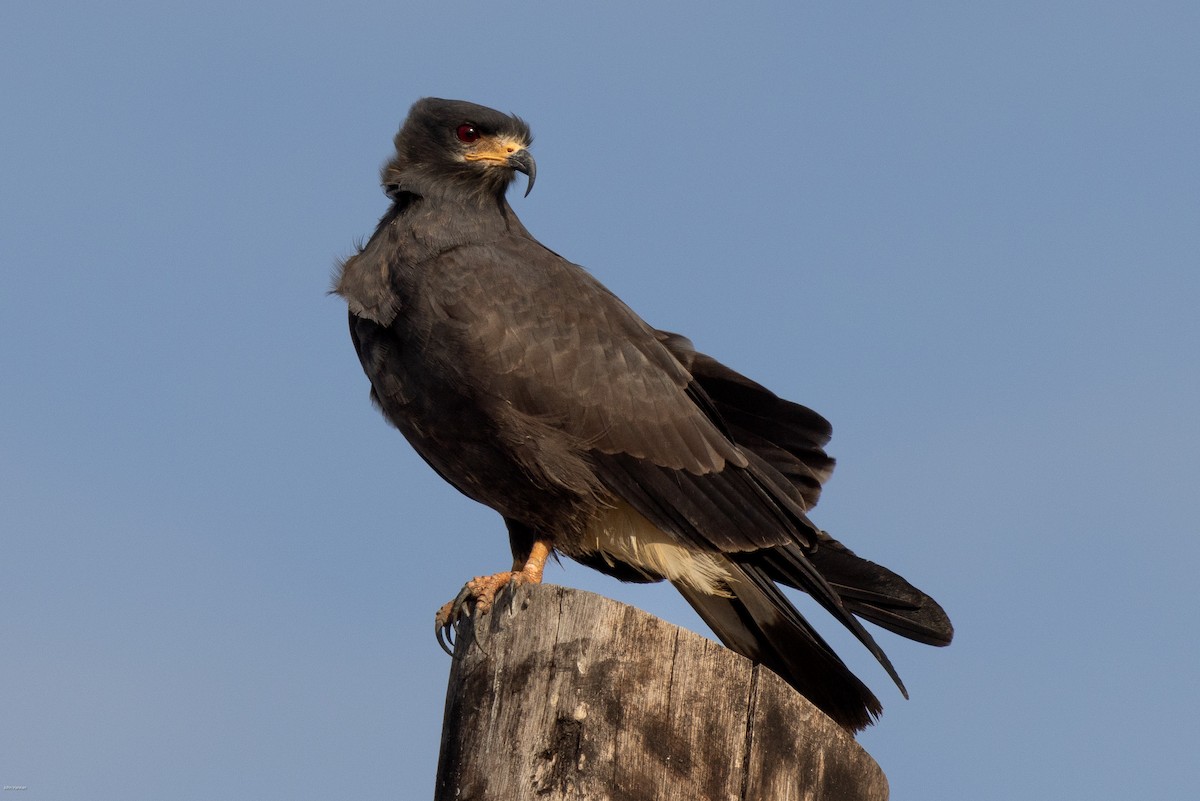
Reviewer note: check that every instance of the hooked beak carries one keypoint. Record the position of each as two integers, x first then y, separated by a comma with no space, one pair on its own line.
522,161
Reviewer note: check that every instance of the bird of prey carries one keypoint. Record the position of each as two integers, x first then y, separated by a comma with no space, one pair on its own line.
534,390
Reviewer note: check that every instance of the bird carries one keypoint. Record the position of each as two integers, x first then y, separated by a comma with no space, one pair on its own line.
534,390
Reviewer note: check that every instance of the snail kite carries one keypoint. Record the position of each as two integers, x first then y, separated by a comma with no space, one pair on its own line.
534,390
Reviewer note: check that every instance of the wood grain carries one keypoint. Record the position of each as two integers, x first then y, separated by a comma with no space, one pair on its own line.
561,694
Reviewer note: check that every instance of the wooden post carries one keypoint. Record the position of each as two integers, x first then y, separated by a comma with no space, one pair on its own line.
561,694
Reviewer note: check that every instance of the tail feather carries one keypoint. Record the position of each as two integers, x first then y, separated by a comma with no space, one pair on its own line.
758,622
784,443
867,589
788,439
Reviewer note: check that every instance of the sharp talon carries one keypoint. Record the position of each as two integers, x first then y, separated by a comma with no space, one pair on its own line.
443,628
478,597
442,632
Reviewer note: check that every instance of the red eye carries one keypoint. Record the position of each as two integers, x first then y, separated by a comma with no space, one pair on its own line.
466,133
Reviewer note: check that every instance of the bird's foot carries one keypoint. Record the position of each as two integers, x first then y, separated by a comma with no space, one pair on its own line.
479,594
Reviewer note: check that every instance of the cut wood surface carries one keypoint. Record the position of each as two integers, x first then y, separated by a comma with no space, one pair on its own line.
563,694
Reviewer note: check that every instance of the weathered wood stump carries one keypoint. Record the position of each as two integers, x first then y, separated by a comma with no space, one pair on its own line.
563,694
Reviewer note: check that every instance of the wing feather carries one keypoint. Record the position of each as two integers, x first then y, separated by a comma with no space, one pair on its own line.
547,338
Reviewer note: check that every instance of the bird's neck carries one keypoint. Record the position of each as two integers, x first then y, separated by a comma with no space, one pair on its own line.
450,219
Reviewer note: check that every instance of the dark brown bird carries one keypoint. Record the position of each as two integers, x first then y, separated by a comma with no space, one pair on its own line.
534,390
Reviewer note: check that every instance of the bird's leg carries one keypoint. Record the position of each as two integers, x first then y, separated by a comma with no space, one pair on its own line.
479,594
482,589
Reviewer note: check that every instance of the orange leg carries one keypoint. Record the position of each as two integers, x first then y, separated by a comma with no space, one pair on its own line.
479,594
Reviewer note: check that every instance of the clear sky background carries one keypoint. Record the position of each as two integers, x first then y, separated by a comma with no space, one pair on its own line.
967,233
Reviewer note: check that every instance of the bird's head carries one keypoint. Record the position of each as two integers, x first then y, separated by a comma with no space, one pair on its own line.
453,145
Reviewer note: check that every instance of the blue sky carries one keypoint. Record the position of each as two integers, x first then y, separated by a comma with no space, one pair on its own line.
968,234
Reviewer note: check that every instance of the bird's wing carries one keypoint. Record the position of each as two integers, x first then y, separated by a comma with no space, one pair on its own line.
541,335
791,438
545,337
555,344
